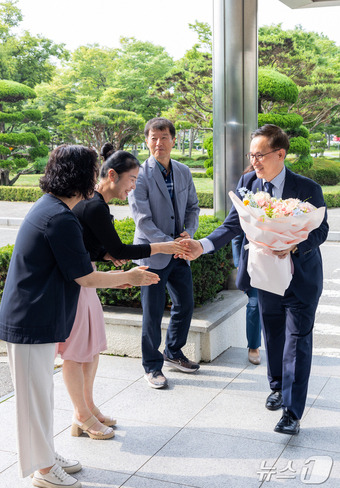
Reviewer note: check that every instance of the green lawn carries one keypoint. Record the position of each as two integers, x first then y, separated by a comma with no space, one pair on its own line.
204,184
28,180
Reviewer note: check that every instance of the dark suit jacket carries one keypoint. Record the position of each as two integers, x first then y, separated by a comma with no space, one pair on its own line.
306,284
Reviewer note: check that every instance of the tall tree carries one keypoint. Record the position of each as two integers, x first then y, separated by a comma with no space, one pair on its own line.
189,84
108,88
25,58
94,125
140,65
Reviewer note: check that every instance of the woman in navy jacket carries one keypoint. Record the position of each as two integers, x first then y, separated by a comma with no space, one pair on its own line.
39,302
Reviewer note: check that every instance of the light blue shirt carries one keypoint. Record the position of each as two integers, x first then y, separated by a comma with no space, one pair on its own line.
278,184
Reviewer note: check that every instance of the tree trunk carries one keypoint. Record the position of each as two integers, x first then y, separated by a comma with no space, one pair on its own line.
179,140
4,177
191,141
183,143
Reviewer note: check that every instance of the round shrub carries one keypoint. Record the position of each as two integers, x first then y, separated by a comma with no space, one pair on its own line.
11,91
210,172
20,163
208,144
276,87
32,115
285,121
298,131
39,165
5,151
38,152
22,139
299,145
302,164
9,118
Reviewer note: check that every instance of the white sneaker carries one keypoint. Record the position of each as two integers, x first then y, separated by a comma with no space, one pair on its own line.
55,478
69,465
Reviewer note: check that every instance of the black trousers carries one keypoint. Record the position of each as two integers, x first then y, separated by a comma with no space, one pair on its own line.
287,326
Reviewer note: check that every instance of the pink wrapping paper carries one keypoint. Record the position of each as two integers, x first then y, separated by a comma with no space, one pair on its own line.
267,271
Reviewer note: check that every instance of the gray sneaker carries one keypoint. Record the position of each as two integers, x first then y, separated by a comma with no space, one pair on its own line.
183,364
55,478
156,379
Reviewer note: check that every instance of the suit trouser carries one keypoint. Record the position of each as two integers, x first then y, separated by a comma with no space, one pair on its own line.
32,368
253,322
177,278
287,328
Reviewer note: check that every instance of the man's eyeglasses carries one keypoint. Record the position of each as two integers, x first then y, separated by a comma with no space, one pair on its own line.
259,156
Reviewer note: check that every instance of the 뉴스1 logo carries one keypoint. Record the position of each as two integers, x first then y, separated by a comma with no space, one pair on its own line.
315,471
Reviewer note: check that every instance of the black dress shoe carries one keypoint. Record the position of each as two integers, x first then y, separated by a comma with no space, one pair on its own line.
287,424
274,401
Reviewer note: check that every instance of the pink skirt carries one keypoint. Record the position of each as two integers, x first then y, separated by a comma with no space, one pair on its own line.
87,336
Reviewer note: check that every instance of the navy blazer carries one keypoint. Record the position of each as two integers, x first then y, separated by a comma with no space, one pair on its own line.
307,279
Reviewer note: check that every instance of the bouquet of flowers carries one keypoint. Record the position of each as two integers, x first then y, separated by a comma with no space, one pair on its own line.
272,224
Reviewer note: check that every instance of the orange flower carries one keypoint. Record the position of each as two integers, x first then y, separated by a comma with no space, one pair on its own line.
246,202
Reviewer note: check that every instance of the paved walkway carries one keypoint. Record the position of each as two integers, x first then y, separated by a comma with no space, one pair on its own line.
207,430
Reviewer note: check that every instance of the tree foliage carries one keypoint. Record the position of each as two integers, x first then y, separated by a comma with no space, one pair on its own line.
25,58
108,88
274,87
18,145
138,68
94,125
188,85
312,61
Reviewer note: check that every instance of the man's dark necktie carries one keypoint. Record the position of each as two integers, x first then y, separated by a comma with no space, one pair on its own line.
268,187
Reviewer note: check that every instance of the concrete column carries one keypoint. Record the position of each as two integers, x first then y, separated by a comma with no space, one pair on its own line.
235,93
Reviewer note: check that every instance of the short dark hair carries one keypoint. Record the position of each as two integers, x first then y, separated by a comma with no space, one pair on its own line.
160,123
278,139
120,161
71,170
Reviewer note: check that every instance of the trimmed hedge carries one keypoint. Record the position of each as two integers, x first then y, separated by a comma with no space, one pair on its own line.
332,200
210,272
31,194
20,193
5,257
206,200
325,177
199,175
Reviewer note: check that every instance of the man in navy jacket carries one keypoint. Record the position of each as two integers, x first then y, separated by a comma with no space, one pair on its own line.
287,321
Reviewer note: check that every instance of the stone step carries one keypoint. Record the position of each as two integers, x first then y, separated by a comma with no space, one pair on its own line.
215,327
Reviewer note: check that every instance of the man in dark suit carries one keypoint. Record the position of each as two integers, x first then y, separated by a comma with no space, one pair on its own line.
164,206
287,321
